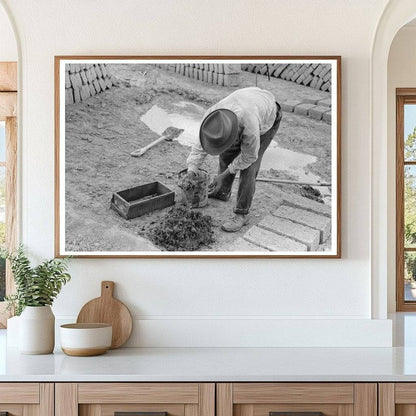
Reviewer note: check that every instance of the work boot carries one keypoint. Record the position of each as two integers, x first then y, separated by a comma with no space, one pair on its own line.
235,223
222,196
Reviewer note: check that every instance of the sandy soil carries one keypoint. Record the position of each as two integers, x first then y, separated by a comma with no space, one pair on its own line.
102,132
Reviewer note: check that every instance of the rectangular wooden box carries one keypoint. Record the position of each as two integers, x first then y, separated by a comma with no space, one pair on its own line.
130,203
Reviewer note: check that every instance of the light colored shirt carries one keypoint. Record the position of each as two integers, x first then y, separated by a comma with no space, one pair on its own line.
256,112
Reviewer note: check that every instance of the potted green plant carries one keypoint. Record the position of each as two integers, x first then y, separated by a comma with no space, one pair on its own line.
36,289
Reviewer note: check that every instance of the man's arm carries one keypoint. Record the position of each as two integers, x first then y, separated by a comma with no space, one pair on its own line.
250,145
196,158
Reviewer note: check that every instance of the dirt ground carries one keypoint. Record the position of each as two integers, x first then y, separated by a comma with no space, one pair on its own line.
102,131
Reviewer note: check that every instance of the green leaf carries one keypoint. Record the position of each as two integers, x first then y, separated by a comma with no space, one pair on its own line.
35,286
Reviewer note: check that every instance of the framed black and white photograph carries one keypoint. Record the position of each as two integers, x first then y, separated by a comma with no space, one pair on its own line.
198,156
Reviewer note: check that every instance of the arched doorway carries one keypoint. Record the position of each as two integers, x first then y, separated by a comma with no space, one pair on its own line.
8,148
396,14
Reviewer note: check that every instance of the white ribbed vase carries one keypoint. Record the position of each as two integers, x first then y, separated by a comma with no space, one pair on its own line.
37,330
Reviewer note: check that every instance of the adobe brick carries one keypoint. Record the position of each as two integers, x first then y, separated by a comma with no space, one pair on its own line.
307,204
326,86
279,69
75,80
98,71
318,112
77,95
307,80
272,241
83,77
303,109
85,92
301,233
327,77
263,70
290,105
69,96
102,83
327,116
67,80
310,219
210,77
232,80
243,245
92,90
326,102
301,78
231,69
309,101
317,70
96,85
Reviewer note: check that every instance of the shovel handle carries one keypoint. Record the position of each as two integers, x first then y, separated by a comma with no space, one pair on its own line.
143,150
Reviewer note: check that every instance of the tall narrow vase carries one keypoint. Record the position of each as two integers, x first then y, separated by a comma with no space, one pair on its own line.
37,330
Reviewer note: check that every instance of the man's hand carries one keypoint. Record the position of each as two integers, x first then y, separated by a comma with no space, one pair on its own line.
191,173
217,183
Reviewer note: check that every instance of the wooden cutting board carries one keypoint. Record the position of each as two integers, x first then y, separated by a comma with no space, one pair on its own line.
107,309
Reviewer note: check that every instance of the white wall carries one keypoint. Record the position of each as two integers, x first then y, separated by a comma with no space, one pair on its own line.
179,302
8,47
401,74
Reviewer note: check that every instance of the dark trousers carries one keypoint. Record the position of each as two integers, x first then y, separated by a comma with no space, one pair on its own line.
247,184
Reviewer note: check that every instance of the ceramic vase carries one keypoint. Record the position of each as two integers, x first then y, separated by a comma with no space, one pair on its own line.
37,330
13,331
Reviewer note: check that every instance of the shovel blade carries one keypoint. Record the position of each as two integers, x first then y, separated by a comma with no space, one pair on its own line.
172,133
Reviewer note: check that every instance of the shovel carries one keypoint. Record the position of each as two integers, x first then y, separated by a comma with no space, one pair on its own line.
169,134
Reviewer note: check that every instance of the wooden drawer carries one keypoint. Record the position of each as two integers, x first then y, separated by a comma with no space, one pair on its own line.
331,399
397,399
105,399
27,399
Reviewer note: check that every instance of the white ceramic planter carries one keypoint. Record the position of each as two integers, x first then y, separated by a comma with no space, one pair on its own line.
37,330
13,331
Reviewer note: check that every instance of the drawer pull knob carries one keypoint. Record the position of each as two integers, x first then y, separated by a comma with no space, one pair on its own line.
296,414
139,414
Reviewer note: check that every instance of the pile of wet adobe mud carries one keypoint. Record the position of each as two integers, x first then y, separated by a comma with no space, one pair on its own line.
183,229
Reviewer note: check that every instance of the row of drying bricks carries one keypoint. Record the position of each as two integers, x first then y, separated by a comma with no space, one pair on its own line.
83,81
316,109
299,224
316,76
221,74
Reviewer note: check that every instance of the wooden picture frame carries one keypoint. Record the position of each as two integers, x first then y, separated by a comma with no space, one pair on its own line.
196,83
403,96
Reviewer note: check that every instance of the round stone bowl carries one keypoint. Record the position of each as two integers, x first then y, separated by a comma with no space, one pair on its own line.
85,340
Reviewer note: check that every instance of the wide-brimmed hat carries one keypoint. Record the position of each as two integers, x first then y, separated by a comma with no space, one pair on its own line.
218,131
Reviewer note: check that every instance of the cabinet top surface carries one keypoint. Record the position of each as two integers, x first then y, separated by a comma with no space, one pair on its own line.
213,365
